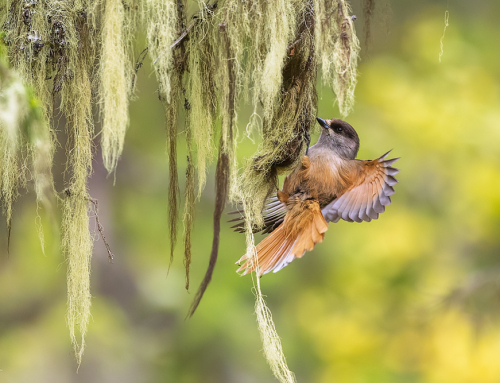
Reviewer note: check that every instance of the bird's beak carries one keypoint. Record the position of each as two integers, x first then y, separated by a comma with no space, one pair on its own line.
323,123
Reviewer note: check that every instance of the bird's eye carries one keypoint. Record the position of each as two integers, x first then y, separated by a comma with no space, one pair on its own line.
338,129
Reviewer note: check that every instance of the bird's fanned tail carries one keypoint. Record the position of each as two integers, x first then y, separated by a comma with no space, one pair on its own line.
304,226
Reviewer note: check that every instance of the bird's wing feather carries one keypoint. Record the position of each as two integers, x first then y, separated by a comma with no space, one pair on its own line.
367,197
273,213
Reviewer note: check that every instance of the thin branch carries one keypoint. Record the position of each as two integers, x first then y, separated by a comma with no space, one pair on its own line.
196,19
139,63
101,229
184,34
68,193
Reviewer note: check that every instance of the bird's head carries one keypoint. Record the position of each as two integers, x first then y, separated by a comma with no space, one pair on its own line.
339,136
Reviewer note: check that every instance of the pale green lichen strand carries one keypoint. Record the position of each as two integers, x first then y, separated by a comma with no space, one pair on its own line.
338,47
160,17
115,81
80,34
13,110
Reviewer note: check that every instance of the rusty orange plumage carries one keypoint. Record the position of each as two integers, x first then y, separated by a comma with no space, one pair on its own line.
328,185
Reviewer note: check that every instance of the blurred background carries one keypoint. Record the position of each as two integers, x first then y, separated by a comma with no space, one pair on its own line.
411,298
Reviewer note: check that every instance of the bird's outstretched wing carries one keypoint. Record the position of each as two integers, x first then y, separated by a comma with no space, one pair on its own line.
276,206
368,196
273,213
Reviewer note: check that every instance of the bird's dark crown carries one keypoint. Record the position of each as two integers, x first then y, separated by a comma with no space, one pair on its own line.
340,137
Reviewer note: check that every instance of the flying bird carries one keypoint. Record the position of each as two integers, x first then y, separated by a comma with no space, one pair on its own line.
328,185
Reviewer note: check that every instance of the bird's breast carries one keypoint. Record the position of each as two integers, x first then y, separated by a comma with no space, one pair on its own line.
323,179
327,176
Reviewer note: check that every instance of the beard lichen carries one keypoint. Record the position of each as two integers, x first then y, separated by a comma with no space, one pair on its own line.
170,92
226,82
160,17
339,49
280,29
32,133
80,54
189,204
203,101
267,53
13,110
115,78
56,40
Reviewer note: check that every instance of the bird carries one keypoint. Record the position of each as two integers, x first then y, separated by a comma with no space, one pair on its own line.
329,184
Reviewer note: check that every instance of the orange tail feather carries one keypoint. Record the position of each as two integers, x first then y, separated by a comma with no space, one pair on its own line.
304,226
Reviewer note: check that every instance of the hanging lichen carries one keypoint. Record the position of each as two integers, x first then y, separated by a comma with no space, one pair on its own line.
279,29
189,205
42,153
13,110
189,194
170,99
76,28
115,79
160,17
286,132
284,135
270,338
266,53
226,82
203,100
339,48
173,186
24,27
222,192
56,40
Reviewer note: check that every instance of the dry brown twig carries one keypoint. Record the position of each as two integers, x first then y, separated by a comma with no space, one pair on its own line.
100,228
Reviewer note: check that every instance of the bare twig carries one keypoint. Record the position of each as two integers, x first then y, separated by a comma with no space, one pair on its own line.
68,193
139,63
176,43
184,34
101,229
